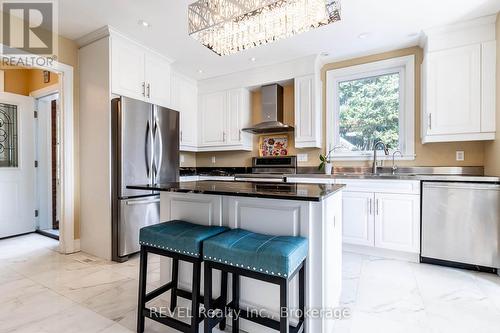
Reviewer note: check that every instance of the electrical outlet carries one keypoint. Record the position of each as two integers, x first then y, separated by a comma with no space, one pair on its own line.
460,156
302,157
213,159
182,159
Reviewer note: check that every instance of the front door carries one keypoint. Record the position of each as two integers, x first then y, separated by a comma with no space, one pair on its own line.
17,169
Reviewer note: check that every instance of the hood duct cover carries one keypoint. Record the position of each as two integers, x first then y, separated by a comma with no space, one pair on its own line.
272,112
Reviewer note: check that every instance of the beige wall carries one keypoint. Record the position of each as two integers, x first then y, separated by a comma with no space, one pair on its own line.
189,159
492,149
434,154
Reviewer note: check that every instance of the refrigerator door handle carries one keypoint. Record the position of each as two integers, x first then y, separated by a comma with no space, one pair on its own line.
149,149
160,148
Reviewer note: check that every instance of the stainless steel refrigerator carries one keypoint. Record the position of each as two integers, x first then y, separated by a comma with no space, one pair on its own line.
145,148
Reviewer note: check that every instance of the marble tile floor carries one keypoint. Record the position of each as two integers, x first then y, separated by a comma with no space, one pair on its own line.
44,291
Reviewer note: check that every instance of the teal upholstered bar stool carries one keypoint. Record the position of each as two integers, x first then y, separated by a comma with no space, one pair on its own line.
178,240
273,259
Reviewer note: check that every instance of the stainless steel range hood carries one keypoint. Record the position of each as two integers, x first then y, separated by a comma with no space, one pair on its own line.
272,112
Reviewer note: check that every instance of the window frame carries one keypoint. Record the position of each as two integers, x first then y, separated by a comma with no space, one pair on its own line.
405,67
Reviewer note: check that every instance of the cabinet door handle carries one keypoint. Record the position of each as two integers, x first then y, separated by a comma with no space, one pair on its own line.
144,89
239,134
181,135
224,136
370,206
430,121
149,90
376,206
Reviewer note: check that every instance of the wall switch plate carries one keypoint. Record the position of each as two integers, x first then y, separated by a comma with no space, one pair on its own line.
460,156
213,159
182,159
302,157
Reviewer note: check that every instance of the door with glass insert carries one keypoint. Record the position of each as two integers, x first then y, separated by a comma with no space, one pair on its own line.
17,169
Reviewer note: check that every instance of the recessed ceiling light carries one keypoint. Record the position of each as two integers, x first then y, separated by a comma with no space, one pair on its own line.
253,59
200,71
363,35
144,23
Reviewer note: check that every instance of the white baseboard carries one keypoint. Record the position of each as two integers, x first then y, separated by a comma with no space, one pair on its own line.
382,253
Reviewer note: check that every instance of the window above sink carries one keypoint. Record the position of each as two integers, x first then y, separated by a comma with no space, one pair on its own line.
368,103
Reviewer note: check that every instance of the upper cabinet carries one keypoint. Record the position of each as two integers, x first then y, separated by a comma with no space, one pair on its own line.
222,116
184,98
139,73
308,127
458,83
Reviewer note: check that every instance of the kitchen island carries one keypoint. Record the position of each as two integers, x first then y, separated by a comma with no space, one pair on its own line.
313,211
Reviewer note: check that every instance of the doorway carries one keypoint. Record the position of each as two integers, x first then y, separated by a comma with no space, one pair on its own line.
47,163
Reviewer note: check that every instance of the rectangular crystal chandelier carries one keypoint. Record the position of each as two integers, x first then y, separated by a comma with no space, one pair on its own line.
230,26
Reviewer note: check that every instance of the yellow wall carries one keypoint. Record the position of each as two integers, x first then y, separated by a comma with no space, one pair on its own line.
16,81
492,149
23,81
434,154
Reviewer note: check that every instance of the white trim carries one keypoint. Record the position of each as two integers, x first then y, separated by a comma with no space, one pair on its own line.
46,91
405,66
67,225
106,31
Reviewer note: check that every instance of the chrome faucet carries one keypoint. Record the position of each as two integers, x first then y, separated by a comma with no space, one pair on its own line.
386,151
394,166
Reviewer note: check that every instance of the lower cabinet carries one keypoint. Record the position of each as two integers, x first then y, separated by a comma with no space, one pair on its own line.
358,226
397,222
383,220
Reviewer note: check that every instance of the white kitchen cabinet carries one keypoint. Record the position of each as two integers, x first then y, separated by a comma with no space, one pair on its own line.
213,108
458,83
308,127
223,115
139,73
127,69
377,214
454,91
238,116
397,222
184,98
357,218
158,80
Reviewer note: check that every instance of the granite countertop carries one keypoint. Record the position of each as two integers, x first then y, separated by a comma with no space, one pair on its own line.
402,176
301,192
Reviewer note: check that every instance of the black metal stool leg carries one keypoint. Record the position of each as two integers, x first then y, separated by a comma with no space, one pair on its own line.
174,279
302,284
143,269
195,301
284,328
236,303
223,294
207,296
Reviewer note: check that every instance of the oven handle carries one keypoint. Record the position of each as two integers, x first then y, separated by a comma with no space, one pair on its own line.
260,180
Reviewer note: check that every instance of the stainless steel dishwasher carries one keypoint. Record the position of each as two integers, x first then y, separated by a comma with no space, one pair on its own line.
461,225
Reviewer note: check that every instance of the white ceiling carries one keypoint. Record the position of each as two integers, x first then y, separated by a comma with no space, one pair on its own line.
389,24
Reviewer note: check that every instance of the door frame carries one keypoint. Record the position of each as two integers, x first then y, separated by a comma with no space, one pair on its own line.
67,241
38,94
